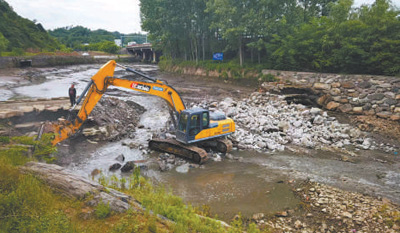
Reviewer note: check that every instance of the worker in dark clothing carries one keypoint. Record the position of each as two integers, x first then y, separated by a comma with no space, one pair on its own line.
72,95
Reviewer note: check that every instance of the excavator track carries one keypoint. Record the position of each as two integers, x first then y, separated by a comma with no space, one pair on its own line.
222,145
172,146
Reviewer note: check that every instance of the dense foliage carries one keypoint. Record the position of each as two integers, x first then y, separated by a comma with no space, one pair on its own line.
309,35
18,34
78,37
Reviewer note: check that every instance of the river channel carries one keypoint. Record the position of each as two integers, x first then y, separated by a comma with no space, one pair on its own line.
257,183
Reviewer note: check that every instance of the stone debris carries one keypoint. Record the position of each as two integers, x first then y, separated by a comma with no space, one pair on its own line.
115,167
113,119
120,158
167,162
353,94
267,122
128,167
330,209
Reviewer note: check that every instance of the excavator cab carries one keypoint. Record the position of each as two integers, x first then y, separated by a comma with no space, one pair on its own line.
198,124
191,123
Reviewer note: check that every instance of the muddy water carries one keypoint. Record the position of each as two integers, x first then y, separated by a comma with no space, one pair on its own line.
250,186
230,187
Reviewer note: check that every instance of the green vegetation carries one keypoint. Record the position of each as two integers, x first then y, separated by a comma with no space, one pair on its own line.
226,70
318,35
29,205
26,204
84,39
18,34
19,150
103,210
74,37
158,200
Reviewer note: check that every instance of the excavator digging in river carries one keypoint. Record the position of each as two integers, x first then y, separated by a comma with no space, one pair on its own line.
194,128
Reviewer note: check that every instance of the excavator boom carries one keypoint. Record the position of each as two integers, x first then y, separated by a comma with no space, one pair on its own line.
195,125
98,86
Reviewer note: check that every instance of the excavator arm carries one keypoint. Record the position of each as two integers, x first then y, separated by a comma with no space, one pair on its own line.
98,86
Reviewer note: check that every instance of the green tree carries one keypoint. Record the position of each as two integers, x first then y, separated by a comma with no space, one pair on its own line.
230,22
311,35
109,47
3,43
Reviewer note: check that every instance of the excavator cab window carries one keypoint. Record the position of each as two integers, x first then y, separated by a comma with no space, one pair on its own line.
194,125
183,122
206,120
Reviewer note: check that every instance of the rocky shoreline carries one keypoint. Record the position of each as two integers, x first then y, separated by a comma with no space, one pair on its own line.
267,122
328,209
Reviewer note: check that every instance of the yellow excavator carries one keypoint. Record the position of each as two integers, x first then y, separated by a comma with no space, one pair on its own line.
194,128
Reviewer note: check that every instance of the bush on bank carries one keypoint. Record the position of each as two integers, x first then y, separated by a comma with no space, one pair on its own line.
226,70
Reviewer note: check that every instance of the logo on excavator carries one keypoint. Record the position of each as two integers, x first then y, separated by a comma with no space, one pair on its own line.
158,88
140,87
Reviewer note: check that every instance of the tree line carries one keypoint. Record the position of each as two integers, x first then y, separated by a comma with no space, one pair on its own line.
81,38
307,35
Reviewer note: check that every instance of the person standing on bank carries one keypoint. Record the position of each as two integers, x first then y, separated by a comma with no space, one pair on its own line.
72,95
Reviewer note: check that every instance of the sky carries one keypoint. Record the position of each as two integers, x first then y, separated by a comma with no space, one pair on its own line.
121,15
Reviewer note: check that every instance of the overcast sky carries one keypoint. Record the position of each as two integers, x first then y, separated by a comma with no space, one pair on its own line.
121,15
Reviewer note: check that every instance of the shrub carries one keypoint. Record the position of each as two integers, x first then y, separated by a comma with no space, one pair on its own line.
27,205
4,139
103,210
268,78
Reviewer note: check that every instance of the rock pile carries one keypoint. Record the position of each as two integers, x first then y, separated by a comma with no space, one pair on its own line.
168,162
265,121
354,94
113,119
330,209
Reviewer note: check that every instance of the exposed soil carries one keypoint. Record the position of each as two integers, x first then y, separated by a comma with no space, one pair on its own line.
385,131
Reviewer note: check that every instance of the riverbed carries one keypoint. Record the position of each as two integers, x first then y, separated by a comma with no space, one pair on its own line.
258,182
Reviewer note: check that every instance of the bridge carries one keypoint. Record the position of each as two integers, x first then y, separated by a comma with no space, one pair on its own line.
144,52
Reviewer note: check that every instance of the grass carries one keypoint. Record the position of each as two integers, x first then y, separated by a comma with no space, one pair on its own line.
227,70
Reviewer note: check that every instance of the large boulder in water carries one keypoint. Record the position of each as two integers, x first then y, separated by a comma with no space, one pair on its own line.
129,166
114,167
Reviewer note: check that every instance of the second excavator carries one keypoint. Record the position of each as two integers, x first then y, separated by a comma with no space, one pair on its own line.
194,128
